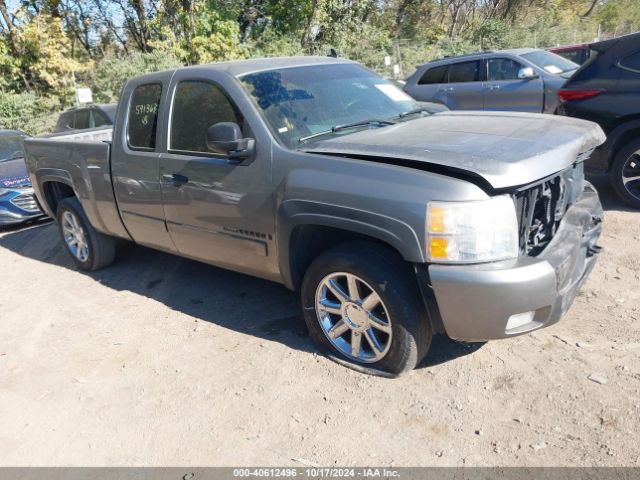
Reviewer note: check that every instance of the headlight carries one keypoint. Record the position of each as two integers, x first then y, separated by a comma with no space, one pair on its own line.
472,232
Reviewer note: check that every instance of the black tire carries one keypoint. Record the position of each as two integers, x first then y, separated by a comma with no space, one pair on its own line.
101,248
622,158
392,279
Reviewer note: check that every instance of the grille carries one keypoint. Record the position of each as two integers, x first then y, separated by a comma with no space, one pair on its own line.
542,206
26,201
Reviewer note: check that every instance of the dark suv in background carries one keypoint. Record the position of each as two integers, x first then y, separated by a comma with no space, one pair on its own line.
606,90
82,118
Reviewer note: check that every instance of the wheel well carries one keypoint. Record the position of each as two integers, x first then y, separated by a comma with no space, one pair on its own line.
54,192
308,242
622,142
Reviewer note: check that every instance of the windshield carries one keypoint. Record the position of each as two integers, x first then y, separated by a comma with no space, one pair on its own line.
305,102
10,148
550,62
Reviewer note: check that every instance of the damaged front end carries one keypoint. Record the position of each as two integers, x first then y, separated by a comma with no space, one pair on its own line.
559,222
542,206
536,289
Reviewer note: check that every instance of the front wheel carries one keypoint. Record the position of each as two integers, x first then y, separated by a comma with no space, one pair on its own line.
625,173
362,304
89,249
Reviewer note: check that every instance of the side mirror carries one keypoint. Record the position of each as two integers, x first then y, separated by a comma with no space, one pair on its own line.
527,73
225,138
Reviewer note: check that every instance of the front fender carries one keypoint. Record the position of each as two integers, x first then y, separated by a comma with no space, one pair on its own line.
380,201
296,212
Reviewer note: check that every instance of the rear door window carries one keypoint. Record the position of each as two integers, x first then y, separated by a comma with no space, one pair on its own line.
143,117
435,75
499,69
464,72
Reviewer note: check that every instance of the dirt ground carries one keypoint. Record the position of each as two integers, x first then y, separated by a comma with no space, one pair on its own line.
163,361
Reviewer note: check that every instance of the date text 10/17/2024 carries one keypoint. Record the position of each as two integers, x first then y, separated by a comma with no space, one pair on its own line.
316,472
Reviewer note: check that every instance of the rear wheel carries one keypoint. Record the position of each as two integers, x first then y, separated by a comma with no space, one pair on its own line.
362,304
89,249
625,173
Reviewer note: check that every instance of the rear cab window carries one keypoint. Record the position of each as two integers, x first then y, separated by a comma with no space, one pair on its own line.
142,120
435,75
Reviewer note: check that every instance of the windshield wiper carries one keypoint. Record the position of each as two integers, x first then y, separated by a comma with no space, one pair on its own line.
414,111
346,126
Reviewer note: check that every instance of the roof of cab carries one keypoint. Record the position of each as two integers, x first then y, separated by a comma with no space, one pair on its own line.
238,68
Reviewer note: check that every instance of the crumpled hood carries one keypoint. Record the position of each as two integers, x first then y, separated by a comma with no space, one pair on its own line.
13,174
506,149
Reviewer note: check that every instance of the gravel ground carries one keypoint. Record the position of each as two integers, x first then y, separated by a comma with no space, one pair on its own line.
163,361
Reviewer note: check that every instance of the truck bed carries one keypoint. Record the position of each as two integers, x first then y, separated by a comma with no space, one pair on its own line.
80,160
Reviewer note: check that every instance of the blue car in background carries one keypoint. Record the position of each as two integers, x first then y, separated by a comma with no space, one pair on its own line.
17,203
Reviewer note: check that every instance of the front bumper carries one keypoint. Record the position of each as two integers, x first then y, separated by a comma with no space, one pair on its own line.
18,206
503,299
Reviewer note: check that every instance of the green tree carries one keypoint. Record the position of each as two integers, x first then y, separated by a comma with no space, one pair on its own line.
48,59
112,72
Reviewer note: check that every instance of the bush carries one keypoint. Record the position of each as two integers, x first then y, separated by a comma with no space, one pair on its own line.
271,44
28,112
112,72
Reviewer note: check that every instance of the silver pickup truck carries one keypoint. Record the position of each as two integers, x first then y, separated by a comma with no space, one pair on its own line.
392,221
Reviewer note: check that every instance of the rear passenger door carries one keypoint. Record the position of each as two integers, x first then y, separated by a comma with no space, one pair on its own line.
503,90
135,162
465,88
432,85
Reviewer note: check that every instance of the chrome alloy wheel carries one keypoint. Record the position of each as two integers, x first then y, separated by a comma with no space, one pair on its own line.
631,174
353,317
74,236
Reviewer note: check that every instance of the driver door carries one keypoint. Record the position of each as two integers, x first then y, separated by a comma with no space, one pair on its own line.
217,210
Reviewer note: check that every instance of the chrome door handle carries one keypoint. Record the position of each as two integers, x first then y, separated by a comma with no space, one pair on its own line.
446,89
493,87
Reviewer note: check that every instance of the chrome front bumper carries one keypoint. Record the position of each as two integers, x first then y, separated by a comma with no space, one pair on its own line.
503,299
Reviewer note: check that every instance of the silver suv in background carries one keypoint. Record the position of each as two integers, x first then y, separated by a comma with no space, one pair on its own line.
520,80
